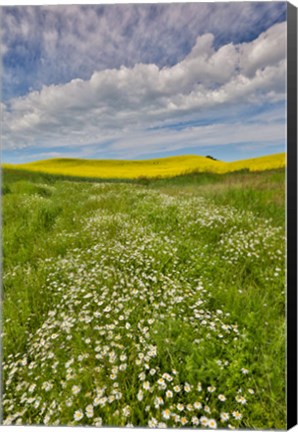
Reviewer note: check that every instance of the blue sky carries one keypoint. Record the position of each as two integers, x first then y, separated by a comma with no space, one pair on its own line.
144,80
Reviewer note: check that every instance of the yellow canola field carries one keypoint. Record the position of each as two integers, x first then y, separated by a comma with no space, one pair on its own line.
163,167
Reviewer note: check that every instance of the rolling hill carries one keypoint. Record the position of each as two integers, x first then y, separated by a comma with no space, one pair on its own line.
162,167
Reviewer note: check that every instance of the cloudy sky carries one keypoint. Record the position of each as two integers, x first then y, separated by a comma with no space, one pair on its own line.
143,80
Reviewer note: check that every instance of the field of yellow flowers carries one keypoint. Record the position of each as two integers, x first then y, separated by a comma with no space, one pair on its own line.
151,168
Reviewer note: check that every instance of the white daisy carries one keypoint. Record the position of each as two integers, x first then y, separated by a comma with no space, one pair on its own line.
180,407
212,424
78,415
166,414
224,416
195,420
89,411
184,421
197,405
75,389
237,415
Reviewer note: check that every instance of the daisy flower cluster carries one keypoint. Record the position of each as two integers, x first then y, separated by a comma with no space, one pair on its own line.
132,335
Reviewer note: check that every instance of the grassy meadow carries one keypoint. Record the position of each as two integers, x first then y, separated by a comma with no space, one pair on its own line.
145,302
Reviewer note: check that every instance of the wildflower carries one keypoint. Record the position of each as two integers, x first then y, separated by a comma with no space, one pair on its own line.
177,388
96,401
169,394
47,386
9,420
152,423
126,411
142,376
197,405
251,391
166,414
195,420
167,377
37,403
212,424
152,371
161,382
211,389
98,421
103,401
146,385
204,421
244,371
224,416
237,415
175,417
222,397
161,425
118,395
180,407
158,401
31,388
207,409
47,419
189,407
140,395
89,411
184,421
78,415
187,388
75,389
241,399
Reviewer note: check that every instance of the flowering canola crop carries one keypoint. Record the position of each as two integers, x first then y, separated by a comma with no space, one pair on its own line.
163,167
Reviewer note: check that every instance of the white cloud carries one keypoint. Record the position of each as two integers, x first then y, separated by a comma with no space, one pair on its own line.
268,49
65,42
115,103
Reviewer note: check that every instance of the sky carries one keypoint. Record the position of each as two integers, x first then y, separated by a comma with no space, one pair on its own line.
137,81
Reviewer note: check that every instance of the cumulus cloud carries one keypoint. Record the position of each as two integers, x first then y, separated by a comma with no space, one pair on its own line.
268,49
54,44
122,103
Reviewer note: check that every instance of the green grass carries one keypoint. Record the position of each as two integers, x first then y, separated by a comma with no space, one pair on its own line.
107,282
